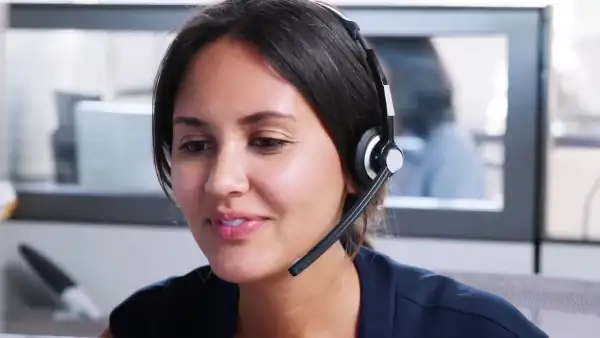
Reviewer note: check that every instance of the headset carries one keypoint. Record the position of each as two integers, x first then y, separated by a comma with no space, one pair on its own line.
377,155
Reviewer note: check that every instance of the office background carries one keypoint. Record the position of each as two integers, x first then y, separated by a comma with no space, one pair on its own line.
55,73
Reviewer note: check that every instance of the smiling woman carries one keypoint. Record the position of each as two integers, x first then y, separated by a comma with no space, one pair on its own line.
236,158
260,110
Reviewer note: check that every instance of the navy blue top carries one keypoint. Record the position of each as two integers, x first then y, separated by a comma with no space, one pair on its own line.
397,301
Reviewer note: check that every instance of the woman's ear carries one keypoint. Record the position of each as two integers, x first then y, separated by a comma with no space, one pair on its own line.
351,186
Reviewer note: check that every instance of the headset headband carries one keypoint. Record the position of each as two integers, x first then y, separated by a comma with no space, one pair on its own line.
377,155
383,90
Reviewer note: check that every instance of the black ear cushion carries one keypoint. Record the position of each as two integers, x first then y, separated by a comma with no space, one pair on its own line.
362,175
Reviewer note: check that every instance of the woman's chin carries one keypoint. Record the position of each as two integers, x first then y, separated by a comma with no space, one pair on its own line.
244,270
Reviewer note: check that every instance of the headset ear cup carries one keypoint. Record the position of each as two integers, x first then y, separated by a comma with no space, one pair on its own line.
363,167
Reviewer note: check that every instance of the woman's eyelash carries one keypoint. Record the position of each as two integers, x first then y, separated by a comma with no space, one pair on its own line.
263,143
268,142
193,147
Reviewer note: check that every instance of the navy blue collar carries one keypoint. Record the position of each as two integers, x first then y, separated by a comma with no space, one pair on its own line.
376,301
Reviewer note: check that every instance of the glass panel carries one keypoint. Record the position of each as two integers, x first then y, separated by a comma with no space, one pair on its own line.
573,189
451,102
67,90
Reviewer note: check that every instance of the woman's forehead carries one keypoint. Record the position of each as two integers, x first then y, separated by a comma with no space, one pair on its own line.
229,79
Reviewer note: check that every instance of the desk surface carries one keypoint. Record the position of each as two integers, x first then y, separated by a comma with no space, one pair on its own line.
41,323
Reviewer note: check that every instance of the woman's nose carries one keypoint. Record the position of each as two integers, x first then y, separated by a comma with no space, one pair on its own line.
227,175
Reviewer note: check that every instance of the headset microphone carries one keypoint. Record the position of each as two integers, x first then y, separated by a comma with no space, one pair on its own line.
377,155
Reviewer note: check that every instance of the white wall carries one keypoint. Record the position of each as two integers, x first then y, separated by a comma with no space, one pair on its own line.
572,174
572,261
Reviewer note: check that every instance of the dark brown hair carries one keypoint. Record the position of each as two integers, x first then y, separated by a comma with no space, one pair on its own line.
306,45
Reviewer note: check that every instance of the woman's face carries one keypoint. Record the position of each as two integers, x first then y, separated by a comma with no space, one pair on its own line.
253,170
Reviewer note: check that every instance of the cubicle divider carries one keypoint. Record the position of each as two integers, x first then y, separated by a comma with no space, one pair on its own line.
514,214
3,148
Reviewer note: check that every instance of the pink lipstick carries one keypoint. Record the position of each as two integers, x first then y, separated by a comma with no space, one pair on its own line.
232,227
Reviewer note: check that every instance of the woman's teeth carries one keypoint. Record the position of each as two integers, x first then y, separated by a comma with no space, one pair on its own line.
233,222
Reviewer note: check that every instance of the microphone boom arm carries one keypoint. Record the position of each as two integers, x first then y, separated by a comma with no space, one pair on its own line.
333,236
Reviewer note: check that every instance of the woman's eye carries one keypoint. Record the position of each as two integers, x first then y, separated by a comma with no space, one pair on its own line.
267,143
194,147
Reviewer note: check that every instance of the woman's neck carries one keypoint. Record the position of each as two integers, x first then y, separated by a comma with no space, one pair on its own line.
323,301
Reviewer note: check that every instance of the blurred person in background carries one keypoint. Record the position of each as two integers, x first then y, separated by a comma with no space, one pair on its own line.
441,159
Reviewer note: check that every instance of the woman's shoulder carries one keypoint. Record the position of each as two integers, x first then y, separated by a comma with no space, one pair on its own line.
165,307
431,302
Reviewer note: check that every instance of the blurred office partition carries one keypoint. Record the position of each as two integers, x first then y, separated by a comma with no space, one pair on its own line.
564,308
4,117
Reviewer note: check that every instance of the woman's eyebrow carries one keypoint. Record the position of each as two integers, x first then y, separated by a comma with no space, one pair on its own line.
189,121
249,119
261,116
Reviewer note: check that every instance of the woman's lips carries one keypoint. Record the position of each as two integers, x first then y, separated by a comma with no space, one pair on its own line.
236,228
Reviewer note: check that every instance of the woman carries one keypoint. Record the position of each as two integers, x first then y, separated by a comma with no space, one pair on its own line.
259,106
441,158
